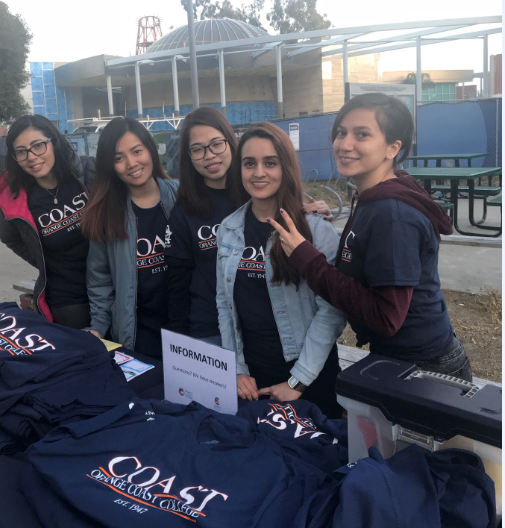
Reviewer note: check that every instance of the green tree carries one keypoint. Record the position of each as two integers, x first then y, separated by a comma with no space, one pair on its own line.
285,16
425,80
292,16
15,38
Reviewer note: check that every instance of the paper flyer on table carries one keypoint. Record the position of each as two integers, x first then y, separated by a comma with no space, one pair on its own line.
121,358
195,370
110,344
134,368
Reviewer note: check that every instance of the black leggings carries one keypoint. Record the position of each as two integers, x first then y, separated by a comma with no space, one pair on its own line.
320,392
73,315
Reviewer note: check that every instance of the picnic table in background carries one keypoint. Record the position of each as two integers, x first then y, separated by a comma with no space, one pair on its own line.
438,158
454,175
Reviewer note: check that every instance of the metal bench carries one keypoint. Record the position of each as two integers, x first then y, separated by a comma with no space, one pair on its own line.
479,190
495,202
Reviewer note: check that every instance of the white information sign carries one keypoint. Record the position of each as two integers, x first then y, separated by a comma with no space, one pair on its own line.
195,370
294,134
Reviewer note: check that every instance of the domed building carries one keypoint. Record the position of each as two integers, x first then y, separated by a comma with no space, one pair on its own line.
238,72
208,32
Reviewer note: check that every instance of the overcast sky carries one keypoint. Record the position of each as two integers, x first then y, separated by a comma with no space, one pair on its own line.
65,30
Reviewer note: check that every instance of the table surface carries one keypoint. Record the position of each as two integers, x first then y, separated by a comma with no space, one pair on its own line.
448,156
448,173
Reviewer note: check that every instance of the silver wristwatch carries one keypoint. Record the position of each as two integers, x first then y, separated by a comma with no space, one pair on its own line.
296,384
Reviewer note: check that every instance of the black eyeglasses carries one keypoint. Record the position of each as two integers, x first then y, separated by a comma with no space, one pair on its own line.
216,147
38,149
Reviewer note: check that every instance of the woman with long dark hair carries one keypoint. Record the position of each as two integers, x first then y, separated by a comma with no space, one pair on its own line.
126,222
283,334
386,277
207,151
43,194
207,148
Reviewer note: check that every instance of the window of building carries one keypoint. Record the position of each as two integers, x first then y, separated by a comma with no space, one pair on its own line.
440,92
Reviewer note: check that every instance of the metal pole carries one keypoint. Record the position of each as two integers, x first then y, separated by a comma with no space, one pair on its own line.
192,55
177,111
419,72
485,70
137,88
109,94
345,59
221,81
419,91
280,104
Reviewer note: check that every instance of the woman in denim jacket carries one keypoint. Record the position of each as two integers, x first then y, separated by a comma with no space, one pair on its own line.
283,334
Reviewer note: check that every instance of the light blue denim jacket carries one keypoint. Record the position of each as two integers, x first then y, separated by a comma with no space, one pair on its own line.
308,326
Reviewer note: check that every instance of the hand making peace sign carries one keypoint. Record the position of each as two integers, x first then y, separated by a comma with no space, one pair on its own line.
290,239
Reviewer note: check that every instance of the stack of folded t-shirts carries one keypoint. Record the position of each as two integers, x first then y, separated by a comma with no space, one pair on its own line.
158,464
50,375
151,463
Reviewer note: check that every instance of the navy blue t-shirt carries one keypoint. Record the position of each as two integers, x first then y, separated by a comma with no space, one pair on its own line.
151,268
262,344
65,248
160,464
50,374
393,244
301,429
192,238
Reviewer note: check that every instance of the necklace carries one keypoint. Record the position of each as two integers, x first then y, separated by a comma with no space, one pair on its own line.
55,199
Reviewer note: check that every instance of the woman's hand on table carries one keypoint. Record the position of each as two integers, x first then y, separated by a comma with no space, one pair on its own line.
281,392
246,387
290,239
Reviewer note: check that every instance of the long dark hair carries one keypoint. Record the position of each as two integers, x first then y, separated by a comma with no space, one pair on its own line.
193,196
289,196
64,166
393,117
105,215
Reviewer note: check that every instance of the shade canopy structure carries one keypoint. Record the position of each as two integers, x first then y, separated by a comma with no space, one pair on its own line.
226,48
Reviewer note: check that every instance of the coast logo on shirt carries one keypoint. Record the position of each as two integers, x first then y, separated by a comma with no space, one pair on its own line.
147,488
150,254
207,237
253,261
19,341
346,252
282,416
67,217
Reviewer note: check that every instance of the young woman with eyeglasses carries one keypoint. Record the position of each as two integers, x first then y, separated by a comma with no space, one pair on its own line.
126,221
207,150
43,194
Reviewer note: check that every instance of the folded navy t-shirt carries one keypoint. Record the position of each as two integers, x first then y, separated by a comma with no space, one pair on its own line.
159,464
32,349
301,429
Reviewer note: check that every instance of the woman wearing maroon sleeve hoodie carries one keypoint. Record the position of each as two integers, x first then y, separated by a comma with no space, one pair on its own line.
385,278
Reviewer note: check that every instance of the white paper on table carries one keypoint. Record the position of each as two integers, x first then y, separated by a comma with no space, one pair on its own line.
134,368
196,370
121,358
